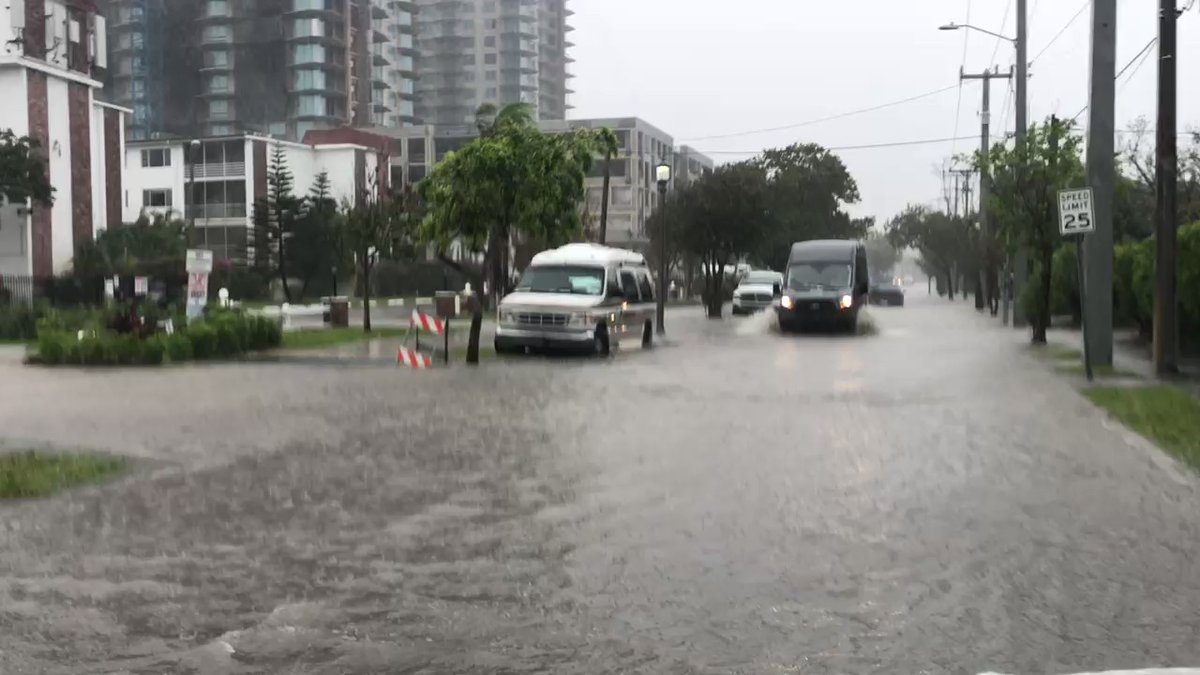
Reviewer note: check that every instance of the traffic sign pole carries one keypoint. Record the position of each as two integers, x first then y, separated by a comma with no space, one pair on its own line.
1087,350
1076,218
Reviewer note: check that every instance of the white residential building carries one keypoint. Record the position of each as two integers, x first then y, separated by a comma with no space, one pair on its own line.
227,175
50,62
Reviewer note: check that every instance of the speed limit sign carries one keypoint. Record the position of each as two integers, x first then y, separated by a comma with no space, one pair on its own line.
1075,212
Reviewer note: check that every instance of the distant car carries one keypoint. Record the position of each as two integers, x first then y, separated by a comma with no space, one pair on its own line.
757,291
887,293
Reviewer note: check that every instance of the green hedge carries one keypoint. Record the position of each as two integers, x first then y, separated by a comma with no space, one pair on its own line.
220,335
1133,284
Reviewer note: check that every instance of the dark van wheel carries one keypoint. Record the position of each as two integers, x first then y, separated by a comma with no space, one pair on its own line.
600,341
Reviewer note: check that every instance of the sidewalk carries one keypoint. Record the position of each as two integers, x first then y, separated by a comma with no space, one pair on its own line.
1131,353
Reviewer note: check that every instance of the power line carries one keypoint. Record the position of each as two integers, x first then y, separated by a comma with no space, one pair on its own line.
866,146
1003,25
827,118
1145,57
1121,72
961,66
1073,19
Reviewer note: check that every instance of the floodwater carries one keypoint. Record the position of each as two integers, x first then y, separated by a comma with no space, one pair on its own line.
922,498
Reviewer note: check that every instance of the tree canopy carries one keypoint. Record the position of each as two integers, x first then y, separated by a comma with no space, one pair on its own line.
1026,179
512,181
23,173
809,188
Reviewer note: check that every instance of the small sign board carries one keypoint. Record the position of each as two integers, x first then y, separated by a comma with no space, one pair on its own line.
141,286
199,260
1075,215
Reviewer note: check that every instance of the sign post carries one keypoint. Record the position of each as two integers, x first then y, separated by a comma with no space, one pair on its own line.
1076,219
199,265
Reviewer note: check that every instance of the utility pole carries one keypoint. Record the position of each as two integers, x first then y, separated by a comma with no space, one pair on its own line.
1166,237
984,276
1020,262
1101,177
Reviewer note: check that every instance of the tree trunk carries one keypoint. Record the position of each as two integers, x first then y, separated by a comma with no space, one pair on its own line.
604,200
1043,319
476,327
979,289
713,300
366,267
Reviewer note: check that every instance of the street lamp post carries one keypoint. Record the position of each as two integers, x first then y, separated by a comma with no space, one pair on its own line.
189,202
1020,43
663,175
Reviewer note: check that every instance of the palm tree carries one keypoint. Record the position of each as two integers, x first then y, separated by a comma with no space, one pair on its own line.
606,143
489,119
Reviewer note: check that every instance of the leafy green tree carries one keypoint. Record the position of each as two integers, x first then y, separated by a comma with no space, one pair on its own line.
1026,179
608,145
23,173
154,247
809,188
274,220
943,242
717,220
882,255
379,225
513,181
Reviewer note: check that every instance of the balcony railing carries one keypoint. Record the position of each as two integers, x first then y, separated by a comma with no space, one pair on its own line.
210,211
217,170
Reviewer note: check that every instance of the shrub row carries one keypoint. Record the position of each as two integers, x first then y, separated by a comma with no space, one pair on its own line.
1133,282
222,335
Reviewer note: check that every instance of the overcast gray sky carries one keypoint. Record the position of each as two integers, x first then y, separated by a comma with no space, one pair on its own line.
698,68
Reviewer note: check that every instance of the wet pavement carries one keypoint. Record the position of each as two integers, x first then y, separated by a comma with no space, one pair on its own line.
925,499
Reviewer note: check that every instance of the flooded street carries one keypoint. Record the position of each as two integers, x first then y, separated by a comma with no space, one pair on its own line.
922,498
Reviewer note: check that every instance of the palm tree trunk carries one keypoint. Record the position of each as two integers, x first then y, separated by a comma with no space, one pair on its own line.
604,199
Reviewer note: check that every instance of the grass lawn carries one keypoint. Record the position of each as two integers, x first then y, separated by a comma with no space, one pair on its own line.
331,337
1059,352
1166,415
1098,371
33,474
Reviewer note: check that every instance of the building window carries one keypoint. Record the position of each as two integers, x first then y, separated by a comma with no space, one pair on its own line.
156,198
218,109
308,53
309,105
216,58
156,157
308,78
217,8
217,34
489,59
220,130
489,41
218,84
490,76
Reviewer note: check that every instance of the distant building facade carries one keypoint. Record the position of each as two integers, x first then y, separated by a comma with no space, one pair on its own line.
475,52
225,176
279,67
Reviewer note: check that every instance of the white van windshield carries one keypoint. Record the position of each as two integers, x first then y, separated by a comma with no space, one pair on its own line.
576,279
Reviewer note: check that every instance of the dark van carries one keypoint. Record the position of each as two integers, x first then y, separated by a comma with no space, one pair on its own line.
825,285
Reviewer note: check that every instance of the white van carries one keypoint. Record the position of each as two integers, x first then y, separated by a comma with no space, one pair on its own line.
579,297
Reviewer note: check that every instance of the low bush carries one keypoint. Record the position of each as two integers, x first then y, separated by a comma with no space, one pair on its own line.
224,335
18,322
